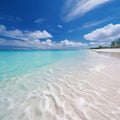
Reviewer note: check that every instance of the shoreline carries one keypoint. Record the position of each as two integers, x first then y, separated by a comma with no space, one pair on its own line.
89,89
111,52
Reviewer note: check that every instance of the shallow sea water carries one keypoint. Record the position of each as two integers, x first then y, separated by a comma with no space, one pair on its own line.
59,85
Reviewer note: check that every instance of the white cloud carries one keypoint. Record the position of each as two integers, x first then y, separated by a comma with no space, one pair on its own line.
70,31
24,35
97,43
93,43
43,45
40,20
108,32
76,8
2,28
38,34
60,26
34,40
75,29
91,24
11,18
48,42
69,43
14,43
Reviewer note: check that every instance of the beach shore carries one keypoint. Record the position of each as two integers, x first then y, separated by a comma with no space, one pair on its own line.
110,52
117,50
85,86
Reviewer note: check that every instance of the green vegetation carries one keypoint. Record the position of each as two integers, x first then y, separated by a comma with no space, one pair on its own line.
113,44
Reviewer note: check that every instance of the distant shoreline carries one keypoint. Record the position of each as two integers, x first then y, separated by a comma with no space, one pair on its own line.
113,52
109,50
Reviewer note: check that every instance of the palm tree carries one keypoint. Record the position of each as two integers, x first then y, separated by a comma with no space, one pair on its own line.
100,46
118,42
113,44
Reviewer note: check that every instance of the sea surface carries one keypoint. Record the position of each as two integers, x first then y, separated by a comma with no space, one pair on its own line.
59,85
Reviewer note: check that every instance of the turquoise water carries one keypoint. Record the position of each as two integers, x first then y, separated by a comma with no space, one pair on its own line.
13,63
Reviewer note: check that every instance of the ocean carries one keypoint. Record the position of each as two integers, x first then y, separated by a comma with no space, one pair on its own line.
59,85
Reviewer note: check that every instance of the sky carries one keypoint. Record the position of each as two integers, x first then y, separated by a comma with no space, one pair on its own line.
58,24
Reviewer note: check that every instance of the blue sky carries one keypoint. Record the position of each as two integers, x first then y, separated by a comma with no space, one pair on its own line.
58,24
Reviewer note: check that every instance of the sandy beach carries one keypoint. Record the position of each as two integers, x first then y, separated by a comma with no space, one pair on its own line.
110,52
117,50
85,86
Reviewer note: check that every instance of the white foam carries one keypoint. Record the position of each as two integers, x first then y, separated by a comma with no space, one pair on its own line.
97,68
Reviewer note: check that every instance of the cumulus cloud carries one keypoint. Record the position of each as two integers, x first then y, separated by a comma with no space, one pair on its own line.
33,40
108,32
43,45
48,42
24,35
76,8
69,43
38,34
97,43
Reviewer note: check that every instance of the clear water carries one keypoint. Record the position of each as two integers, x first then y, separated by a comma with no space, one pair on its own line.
13,63
59,85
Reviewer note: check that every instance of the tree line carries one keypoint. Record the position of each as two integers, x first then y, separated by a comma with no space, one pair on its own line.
113,44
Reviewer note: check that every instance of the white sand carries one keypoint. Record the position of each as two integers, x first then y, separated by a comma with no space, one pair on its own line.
110,52
117,50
